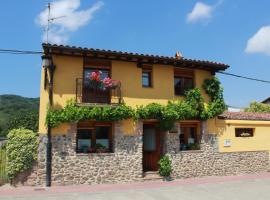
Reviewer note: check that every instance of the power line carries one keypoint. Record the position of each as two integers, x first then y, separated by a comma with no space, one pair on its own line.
25,52
244,77
15,51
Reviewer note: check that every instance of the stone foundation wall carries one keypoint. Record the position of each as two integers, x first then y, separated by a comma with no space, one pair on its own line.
125,164
209,162
71,168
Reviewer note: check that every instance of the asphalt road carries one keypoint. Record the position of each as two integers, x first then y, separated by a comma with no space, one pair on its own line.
256,189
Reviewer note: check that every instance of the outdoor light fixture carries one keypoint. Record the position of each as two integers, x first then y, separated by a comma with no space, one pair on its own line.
46,61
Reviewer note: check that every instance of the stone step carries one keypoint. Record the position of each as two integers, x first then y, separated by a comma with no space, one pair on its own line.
151,176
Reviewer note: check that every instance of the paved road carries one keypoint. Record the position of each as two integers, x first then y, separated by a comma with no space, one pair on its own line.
245,189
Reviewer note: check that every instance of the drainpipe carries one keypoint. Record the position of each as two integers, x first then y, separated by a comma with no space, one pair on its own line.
51,68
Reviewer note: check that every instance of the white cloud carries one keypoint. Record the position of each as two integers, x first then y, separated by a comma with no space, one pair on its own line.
260,42
70,19
202,12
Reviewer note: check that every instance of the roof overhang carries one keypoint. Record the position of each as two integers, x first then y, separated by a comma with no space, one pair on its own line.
133,57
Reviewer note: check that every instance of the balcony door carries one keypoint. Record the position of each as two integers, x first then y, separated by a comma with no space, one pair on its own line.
95,94
151,147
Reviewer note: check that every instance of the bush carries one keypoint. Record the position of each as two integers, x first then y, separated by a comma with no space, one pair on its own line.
21,150
258,107
165,166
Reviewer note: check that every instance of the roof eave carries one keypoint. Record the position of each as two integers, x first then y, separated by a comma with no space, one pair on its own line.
133,57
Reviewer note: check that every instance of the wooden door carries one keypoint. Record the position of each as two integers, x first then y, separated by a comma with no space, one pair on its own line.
151,147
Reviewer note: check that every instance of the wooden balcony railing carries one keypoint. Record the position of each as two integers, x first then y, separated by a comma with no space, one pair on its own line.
86,94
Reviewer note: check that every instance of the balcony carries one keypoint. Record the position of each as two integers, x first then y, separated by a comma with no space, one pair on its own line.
89,94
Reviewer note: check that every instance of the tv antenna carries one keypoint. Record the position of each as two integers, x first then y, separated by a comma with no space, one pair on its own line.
50,20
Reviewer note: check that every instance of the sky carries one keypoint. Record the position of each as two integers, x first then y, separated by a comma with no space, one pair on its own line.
236,33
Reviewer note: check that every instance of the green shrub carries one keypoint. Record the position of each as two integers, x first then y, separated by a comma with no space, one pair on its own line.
258,107
21,150
3,175
165,166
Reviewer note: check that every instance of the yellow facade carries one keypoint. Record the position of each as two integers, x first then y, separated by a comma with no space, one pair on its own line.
68,68
225,129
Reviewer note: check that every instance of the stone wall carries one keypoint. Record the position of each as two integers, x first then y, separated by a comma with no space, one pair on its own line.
71,168
125,163
209,162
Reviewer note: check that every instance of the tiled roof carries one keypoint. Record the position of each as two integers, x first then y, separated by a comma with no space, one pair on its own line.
245,116
266,100
60,49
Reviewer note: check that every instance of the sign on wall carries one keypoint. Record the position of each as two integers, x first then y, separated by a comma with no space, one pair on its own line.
244,132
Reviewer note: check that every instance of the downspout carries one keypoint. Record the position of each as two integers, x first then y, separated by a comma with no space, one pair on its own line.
51,69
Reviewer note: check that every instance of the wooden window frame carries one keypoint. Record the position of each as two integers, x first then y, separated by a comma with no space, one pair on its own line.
183,74
91,125
147,69
97,64
195,125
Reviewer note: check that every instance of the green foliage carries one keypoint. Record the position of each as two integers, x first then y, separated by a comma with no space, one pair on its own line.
74,113
191,108
150,111
21,150
12,106
165,166
216,105
24,120
3,174
213,88
258,107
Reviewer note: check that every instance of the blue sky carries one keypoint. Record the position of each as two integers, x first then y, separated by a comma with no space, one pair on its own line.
233,32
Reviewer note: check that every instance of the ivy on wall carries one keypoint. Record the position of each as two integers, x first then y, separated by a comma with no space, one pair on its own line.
74,113
193,107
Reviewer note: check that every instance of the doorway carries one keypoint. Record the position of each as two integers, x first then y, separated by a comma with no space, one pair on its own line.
151,147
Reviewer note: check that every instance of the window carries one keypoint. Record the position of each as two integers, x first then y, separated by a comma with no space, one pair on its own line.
147,77
182,84
149,139
88,71
95,95
94,137
189,137
244,132
183,80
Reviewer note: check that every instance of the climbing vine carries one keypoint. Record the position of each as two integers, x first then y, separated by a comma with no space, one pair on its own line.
74,113
193,107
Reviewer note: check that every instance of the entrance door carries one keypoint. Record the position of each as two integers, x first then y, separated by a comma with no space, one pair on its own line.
151,147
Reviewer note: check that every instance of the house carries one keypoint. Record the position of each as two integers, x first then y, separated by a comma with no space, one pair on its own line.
95,138
266,101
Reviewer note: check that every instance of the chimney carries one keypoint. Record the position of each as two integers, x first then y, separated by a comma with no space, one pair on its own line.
178,55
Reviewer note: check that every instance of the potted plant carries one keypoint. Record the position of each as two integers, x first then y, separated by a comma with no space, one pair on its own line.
100,148
92,150
165,167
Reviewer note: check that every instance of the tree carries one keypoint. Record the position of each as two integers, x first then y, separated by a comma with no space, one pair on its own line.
27,120
258,107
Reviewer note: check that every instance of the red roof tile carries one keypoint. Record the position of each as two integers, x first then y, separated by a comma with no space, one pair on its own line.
205,64
245,116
